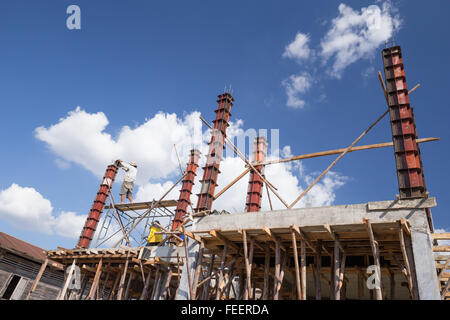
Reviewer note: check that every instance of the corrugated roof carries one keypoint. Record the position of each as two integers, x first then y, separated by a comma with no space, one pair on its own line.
21,247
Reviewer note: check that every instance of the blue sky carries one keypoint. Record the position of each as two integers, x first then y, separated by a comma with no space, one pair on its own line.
133,59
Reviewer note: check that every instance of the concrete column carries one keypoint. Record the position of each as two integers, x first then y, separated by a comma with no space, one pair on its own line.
427,281
183,288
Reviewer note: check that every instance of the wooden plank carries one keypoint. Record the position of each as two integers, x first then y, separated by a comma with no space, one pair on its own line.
297,268
441,249
402,204
273,237
441,236
143,205
193,236
217,235
444,268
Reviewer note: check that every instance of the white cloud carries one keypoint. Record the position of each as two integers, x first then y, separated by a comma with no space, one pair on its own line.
69,224
25,208
296,86
80,138
299,48
355,35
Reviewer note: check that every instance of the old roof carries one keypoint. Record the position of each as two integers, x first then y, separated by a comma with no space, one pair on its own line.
25,249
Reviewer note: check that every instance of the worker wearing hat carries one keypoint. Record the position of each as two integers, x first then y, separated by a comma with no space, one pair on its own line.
128,181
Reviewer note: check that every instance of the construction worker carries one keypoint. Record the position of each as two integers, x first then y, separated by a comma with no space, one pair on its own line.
128,181
153,238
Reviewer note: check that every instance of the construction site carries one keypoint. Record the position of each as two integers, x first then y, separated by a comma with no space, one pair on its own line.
385,249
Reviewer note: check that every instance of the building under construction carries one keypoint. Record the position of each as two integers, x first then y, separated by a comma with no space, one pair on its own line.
376,250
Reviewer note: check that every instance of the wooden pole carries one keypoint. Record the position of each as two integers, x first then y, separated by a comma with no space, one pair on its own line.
166,285
250,263
359,283
122,279
248,287
277,269
221,272
198,268
339,151
144,292
157,285
376,256
281,277
341,275
94,286
191,297
207,284
266,273
407,264
118,219
116,282
38,278
318,270
127,290
409,253
297,268
303,268
268,198
392,283
155,282
336,265
337,159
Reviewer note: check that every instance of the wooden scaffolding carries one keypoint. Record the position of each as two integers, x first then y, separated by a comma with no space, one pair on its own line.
313,262
116,274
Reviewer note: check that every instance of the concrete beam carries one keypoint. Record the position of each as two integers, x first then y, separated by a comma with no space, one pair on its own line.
332,215
403,204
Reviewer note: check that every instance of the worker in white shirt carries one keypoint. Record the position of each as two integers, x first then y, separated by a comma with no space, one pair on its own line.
128,181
